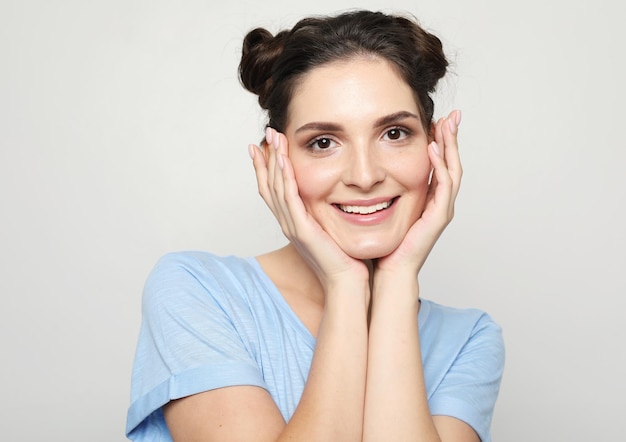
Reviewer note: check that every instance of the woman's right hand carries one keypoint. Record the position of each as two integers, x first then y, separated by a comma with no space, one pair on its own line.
278,187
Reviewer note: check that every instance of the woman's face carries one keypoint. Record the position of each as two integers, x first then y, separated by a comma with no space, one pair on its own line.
359,152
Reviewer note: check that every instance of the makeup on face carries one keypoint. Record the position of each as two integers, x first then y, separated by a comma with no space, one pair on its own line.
359,153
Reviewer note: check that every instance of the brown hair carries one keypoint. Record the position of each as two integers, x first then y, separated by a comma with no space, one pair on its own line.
271,66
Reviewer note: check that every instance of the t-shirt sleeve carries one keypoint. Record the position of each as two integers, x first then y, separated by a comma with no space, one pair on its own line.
469,389
189,341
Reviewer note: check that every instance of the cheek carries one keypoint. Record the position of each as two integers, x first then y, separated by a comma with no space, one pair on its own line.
414,172
415,181
306,189
312,183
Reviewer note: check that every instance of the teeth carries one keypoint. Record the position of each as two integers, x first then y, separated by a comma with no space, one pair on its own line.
365,210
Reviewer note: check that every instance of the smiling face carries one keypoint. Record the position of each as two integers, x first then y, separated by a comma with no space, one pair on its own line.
359,152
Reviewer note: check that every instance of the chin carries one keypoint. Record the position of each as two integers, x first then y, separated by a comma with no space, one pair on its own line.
370,250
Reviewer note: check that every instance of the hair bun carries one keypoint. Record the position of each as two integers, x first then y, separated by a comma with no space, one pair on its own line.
433,61
271,66
259,52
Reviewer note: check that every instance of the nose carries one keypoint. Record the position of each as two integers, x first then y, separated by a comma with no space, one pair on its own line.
364,168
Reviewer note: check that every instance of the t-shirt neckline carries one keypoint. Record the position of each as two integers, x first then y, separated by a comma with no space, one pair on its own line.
280,301
291,316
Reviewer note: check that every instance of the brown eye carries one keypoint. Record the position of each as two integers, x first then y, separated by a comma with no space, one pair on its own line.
396,134
321,143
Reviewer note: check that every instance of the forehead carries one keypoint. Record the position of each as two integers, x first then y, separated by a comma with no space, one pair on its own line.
354,91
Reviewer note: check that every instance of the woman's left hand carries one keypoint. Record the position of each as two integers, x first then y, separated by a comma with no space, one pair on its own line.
443,152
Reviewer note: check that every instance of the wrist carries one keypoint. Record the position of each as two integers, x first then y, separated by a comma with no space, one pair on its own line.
396,275
348,291
399,287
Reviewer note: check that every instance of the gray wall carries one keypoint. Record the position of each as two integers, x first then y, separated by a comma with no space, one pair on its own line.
123,135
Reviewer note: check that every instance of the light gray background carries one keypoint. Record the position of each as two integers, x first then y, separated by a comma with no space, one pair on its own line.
123,134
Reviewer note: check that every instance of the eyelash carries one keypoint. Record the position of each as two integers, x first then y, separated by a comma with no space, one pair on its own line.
311,144
403,130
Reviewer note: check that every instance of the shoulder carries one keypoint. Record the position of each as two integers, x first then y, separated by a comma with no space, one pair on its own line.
461,337
198,263
191,279
463,354
437,319
202,267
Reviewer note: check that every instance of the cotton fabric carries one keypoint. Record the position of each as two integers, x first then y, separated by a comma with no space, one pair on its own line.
211,322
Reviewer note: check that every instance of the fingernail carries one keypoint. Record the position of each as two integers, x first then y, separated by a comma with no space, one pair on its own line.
452,125
268,135
251,151
276,139
281,162
435,148
458,118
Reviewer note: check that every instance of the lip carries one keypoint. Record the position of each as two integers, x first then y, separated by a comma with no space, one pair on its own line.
366,202
374,218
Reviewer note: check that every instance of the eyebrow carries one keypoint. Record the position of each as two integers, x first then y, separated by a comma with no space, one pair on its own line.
382,121
395,117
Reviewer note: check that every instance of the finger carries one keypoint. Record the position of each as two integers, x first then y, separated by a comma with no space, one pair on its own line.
293,203
441,175
281,179
439,135
261,172
441,191
277,154
265,168
450,137
450,132
272,172
291,194
438,139
270,156
432,184
275,176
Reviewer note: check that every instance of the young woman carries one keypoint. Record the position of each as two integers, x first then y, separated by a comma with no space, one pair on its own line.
327,338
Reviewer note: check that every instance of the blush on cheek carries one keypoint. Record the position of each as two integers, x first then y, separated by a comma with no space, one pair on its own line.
307,197
313,182
418,200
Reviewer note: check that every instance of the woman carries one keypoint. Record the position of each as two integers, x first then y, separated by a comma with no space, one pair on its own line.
327,338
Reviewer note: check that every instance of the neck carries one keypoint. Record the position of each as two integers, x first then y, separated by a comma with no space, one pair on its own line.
291,273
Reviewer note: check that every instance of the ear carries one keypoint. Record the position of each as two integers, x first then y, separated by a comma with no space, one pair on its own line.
431,132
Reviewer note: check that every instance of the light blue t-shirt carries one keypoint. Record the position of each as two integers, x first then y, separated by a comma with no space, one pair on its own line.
211,322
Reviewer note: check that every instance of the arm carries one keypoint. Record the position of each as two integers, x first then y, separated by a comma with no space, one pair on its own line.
331,406
396,406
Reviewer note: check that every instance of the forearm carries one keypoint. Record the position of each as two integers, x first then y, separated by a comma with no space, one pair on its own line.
396,406
331,407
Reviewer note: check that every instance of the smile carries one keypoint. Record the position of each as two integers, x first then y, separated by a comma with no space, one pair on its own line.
365,210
